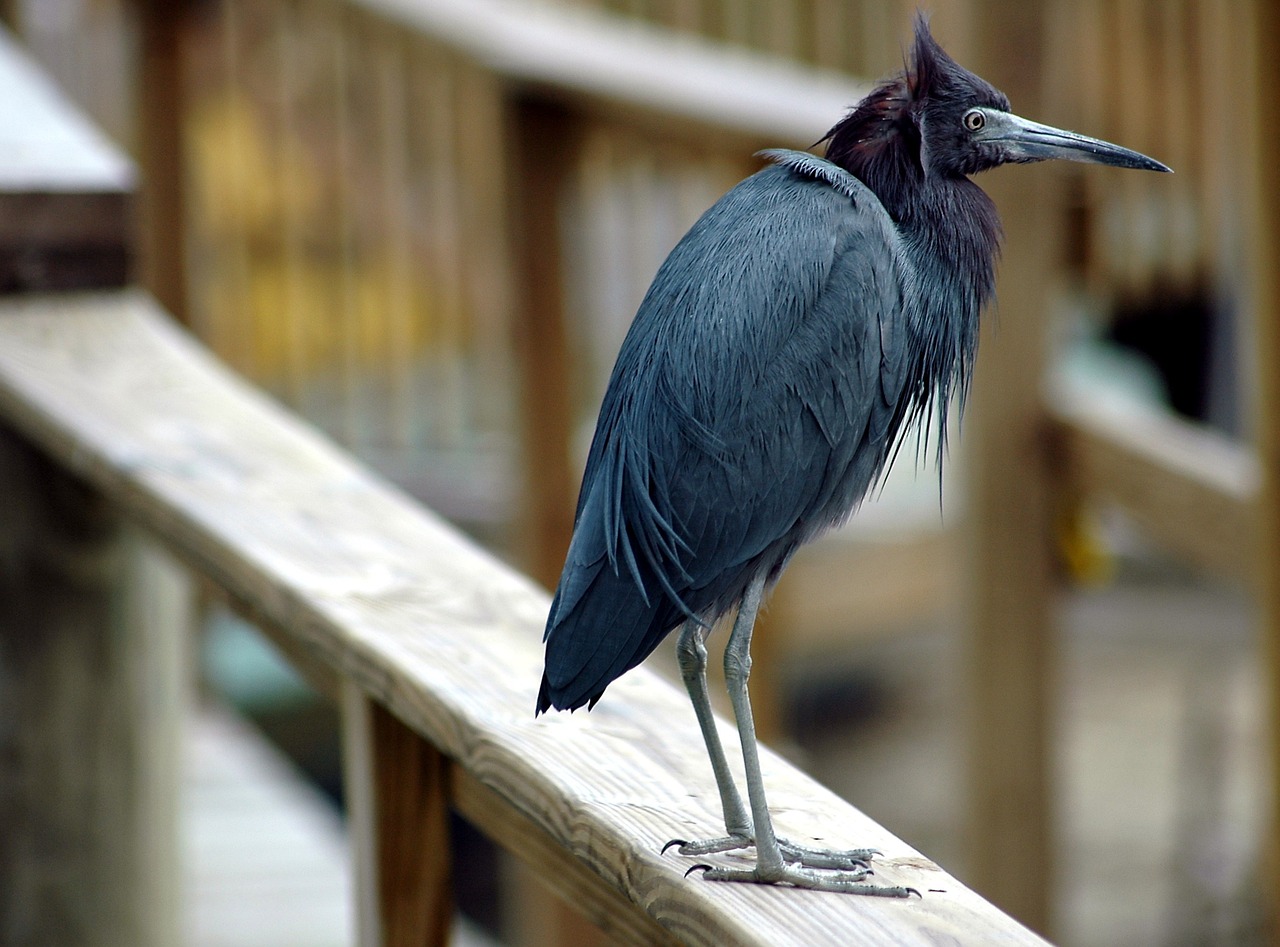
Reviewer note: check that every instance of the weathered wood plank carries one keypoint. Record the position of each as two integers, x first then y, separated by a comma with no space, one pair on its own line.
92,697
358,784
1190,488
161,98
65,191
1262,69
618,69
554,866
397,787
264,853
1008,579
430,627
545,143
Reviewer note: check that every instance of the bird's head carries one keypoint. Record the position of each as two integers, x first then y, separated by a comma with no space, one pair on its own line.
943,121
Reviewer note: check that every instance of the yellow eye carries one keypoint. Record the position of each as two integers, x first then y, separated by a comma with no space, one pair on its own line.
974,119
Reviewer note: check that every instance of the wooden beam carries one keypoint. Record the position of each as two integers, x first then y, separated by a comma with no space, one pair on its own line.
1009,553
553,866
398,810
93,620
1190,488
544,143
1263,240
66,193
619,69
431,628
93,630
162,111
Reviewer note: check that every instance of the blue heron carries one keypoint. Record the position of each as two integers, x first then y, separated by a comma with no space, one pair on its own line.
818,311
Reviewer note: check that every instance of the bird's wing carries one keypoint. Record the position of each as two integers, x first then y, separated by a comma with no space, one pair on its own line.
793,373
752,405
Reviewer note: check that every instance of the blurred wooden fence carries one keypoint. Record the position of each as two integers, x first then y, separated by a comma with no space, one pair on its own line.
425,224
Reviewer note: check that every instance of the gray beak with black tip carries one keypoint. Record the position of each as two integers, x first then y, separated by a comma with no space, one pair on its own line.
1023,140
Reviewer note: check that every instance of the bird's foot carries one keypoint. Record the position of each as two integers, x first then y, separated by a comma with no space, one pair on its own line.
711,846
852,860
843,882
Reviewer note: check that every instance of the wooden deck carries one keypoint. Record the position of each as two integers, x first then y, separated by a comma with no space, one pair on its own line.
264,856
265,861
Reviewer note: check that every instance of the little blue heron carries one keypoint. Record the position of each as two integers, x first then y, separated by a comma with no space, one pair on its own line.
814,314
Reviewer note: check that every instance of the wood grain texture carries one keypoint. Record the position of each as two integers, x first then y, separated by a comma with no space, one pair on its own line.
66,193
1262,70
1190,488
555,867
545,144
1009,557
93,631
435,630
161,105
415,890
398,787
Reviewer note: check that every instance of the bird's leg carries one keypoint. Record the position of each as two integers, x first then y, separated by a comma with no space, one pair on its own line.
737,671
771,866
691,655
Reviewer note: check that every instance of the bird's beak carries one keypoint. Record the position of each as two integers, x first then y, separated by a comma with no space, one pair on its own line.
1025,140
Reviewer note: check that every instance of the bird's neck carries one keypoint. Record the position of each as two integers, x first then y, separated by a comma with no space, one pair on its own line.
952,235
950,231
953,223
879,144
953,210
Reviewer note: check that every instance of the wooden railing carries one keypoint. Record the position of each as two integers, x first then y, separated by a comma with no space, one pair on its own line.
119,431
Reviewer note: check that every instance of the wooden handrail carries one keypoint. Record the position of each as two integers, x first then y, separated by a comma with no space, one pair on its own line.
615,69
66,195
92,618
1189,487
443,636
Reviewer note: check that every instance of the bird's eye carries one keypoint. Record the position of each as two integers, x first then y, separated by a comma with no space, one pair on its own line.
974,119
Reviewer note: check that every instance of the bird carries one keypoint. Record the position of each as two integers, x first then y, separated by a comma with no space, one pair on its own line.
814,315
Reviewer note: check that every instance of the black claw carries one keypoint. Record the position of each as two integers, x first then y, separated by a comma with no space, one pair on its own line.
674,841
911,891
697,868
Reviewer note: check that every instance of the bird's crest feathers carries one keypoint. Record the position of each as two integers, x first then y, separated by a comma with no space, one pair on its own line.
884,138
932,71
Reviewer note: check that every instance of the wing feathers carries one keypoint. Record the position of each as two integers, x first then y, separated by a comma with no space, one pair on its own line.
750,408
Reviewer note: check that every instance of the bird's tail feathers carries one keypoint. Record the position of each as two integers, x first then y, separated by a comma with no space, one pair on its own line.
610,630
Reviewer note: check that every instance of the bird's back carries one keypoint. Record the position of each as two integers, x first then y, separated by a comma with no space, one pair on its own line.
755,400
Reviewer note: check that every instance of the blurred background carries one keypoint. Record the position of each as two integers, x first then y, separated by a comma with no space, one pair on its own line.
345,178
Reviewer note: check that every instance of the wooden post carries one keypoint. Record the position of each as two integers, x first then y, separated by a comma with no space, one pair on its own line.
92,697
159,122
544,143
397,800
1263,239
93,621
1009,540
